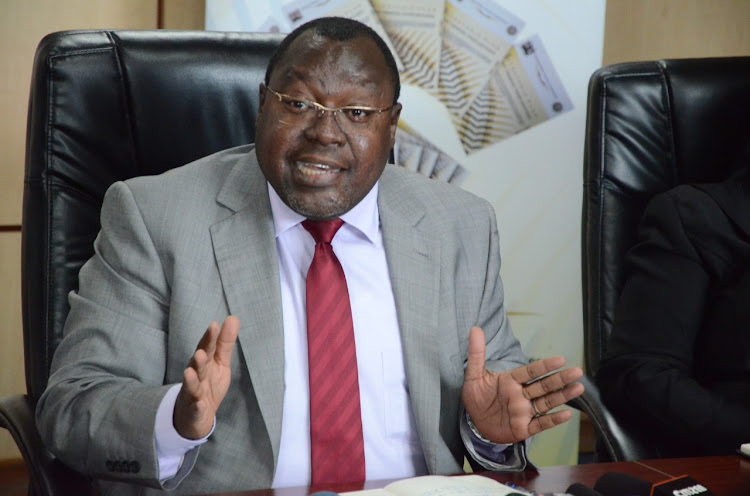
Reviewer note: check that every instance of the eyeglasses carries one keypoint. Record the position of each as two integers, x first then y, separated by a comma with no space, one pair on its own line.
356,115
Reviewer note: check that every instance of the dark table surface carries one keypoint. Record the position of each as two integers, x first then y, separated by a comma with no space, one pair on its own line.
722,475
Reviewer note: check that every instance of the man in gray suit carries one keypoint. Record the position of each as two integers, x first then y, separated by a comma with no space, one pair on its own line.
440,372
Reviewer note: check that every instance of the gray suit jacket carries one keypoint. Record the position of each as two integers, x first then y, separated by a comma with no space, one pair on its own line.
196,244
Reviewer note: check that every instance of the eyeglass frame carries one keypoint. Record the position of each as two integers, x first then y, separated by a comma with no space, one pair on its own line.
322,108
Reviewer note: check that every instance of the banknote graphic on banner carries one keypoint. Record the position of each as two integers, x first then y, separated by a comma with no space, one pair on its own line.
476,36
301,11
416,153
463,52
414,28
522,91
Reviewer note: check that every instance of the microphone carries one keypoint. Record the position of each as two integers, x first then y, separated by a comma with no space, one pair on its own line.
578,489
618,484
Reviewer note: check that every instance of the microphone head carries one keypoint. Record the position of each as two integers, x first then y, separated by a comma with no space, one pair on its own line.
578,489
618,484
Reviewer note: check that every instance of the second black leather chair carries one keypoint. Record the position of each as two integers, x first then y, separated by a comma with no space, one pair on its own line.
650,126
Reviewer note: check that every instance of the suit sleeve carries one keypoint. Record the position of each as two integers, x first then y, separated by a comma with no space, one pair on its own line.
503,353
98,411
647,373
503,349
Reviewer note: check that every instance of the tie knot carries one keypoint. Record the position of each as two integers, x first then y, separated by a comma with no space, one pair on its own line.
322,231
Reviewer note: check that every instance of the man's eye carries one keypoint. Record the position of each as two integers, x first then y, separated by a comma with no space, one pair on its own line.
297,105
356,114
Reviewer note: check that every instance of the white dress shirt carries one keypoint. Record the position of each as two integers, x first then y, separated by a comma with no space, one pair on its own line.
392,447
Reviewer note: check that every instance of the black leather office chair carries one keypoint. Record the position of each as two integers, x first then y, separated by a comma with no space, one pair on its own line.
650,126
106,106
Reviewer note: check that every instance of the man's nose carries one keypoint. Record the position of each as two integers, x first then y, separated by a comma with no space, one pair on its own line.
325,127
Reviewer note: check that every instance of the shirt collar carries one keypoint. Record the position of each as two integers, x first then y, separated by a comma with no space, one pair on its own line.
364,216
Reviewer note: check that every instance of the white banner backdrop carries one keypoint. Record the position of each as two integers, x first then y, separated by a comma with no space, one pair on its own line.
529,166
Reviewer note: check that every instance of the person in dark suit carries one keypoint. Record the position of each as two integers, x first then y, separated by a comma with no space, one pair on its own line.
678,360
143,398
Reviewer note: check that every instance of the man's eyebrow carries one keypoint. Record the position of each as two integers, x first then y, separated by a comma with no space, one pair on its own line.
295,74
298,73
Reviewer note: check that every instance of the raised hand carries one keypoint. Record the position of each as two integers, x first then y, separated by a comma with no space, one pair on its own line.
206,380
508,407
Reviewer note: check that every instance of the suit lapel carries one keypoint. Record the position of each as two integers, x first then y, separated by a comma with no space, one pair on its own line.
245,250
414,264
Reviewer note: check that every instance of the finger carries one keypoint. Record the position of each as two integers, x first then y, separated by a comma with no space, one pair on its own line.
198,364
210,344
536,369
208,340
535,411
191,408
227,337
190,385
552,382
544,422
475,357
553,400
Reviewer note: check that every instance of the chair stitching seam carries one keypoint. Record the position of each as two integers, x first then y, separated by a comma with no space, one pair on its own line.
127,108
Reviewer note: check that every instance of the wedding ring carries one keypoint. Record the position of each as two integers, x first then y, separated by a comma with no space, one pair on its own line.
536,410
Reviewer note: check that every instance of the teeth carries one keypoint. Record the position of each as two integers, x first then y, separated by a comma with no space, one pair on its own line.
314,169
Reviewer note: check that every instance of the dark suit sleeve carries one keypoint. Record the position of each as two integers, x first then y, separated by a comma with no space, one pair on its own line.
647,374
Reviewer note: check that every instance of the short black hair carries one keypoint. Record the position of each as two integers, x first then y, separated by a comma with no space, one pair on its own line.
339,29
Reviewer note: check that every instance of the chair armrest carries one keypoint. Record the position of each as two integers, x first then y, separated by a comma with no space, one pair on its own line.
616,441
48,476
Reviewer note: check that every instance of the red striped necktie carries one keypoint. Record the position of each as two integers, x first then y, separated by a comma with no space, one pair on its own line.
337,444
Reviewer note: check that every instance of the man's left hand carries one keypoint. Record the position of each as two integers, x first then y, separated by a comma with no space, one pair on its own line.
508,407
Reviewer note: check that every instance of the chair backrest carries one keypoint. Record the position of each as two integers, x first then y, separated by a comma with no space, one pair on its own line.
650,126
106,106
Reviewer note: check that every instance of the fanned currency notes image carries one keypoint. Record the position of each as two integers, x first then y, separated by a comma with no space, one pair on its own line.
416,153
466,55
414,28
476,36
522,91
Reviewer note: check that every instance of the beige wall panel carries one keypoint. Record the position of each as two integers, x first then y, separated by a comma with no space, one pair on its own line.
22,24
12,380
12,139
657,29
183,14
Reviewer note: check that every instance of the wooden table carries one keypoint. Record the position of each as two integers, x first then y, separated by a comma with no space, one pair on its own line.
723,475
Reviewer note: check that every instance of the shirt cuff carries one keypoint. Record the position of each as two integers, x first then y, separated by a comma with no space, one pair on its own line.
491,456
170,446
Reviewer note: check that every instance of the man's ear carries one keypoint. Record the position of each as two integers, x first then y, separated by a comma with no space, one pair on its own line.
395,114
261,96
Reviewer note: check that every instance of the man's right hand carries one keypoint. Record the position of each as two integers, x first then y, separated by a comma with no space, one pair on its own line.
206,380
